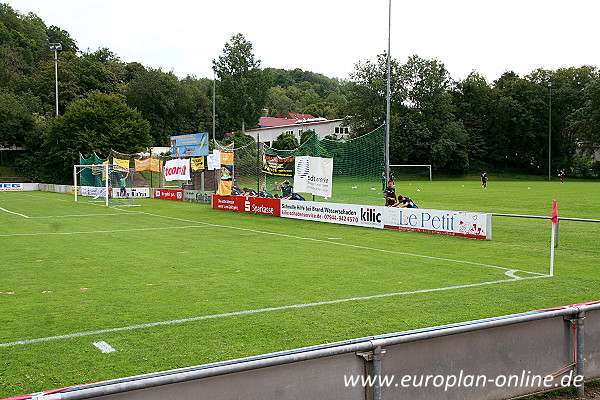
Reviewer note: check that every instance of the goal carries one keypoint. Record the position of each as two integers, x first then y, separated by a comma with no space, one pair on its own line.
412,171
103,183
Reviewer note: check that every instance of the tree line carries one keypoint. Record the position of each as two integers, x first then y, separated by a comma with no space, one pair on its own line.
458,126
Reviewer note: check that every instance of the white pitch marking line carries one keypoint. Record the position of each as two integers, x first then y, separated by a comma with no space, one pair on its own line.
104,347
80,215
256,311
12,212
109,231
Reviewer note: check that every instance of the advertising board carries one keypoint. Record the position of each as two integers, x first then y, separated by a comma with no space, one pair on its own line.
131,193
92,191
11,187
169,194
345,214
441,222
254,205
197,196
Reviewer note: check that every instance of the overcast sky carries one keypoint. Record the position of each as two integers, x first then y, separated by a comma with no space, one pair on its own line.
331,36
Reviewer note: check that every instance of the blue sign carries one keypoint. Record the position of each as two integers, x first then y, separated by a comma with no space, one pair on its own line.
193,145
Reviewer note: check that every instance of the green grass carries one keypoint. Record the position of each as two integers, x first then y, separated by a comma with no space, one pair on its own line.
81,268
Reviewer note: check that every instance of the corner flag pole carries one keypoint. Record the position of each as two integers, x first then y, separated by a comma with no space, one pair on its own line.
554,220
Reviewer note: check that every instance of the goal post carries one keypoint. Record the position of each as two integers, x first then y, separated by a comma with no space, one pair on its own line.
96,177
104,183
422,167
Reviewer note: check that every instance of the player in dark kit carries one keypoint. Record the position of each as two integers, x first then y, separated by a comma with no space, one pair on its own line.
484,179
406,202
389,194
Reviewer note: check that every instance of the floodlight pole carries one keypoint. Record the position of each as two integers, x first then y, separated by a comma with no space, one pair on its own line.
549,130
387,98
56,47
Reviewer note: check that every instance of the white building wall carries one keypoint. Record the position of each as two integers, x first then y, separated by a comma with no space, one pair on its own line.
322,129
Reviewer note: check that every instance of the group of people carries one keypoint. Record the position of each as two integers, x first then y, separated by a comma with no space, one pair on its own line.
391,200
286,189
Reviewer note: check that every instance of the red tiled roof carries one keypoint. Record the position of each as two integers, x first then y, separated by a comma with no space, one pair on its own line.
298,116
268,122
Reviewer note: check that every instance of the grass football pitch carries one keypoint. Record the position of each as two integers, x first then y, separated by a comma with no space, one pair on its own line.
171,284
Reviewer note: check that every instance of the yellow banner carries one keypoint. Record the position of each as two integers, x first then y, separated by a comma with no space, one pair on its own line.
227,158
142,165
148,164
224,187
197,163
120,165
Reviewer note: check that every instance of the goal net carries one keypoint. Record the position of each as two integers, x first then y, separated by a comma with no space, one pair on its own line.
103,183
357,166
417,172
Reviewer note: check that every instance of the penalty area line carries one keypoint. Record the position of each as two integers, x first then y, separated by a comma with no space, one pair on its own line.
262,310
15,213
107,231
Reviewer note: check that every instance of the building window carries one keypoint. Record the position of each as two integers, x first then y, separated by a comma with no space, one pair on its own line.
292,132
341,130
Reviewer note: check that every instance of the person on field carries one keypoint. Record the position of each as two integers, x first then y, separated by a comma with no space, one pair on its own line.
484,179
389,194
561,175
123,185
287,190
383,180
406,202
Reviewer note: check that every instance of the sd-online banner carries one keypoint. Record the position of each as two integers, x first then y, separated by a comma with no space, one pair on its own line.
346,214
441,222
313,175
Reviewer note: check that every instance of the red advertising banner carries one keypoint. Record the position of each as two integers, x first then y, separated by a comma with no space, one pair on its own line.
168,194
254,205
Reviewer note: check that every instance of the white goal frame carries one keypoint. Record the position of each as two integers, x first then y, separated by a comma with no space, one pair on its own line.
105,171
416,165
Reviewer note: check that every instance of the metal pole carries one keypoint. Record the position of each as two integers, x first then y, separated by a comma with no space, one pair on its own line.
213,125
580,351
56,47
388,98
56,77
549,130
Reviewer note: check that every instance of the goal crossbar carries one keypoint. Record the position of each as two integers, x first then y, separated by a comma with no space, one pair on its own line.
416,165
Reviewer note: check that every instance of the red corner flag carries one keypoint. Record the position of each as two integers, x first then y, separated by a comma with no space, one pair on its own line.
554,212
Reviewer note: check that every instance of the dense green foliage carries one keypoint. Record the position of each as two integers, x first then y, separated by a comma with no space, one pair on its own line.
474,124
457,126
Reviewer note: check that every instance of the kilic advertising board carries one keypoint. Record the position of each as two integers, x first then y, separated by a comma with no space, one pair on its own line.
345,214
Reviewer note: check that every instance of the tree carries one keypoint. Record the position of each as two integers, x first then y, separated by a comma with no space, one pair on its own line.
306,135
243,86
585,122
423,125
97,123
285,141
172,106
16,122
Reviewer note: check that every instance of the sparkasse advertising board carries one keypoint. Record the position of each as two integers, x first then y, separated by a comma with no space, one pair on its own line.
254,205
